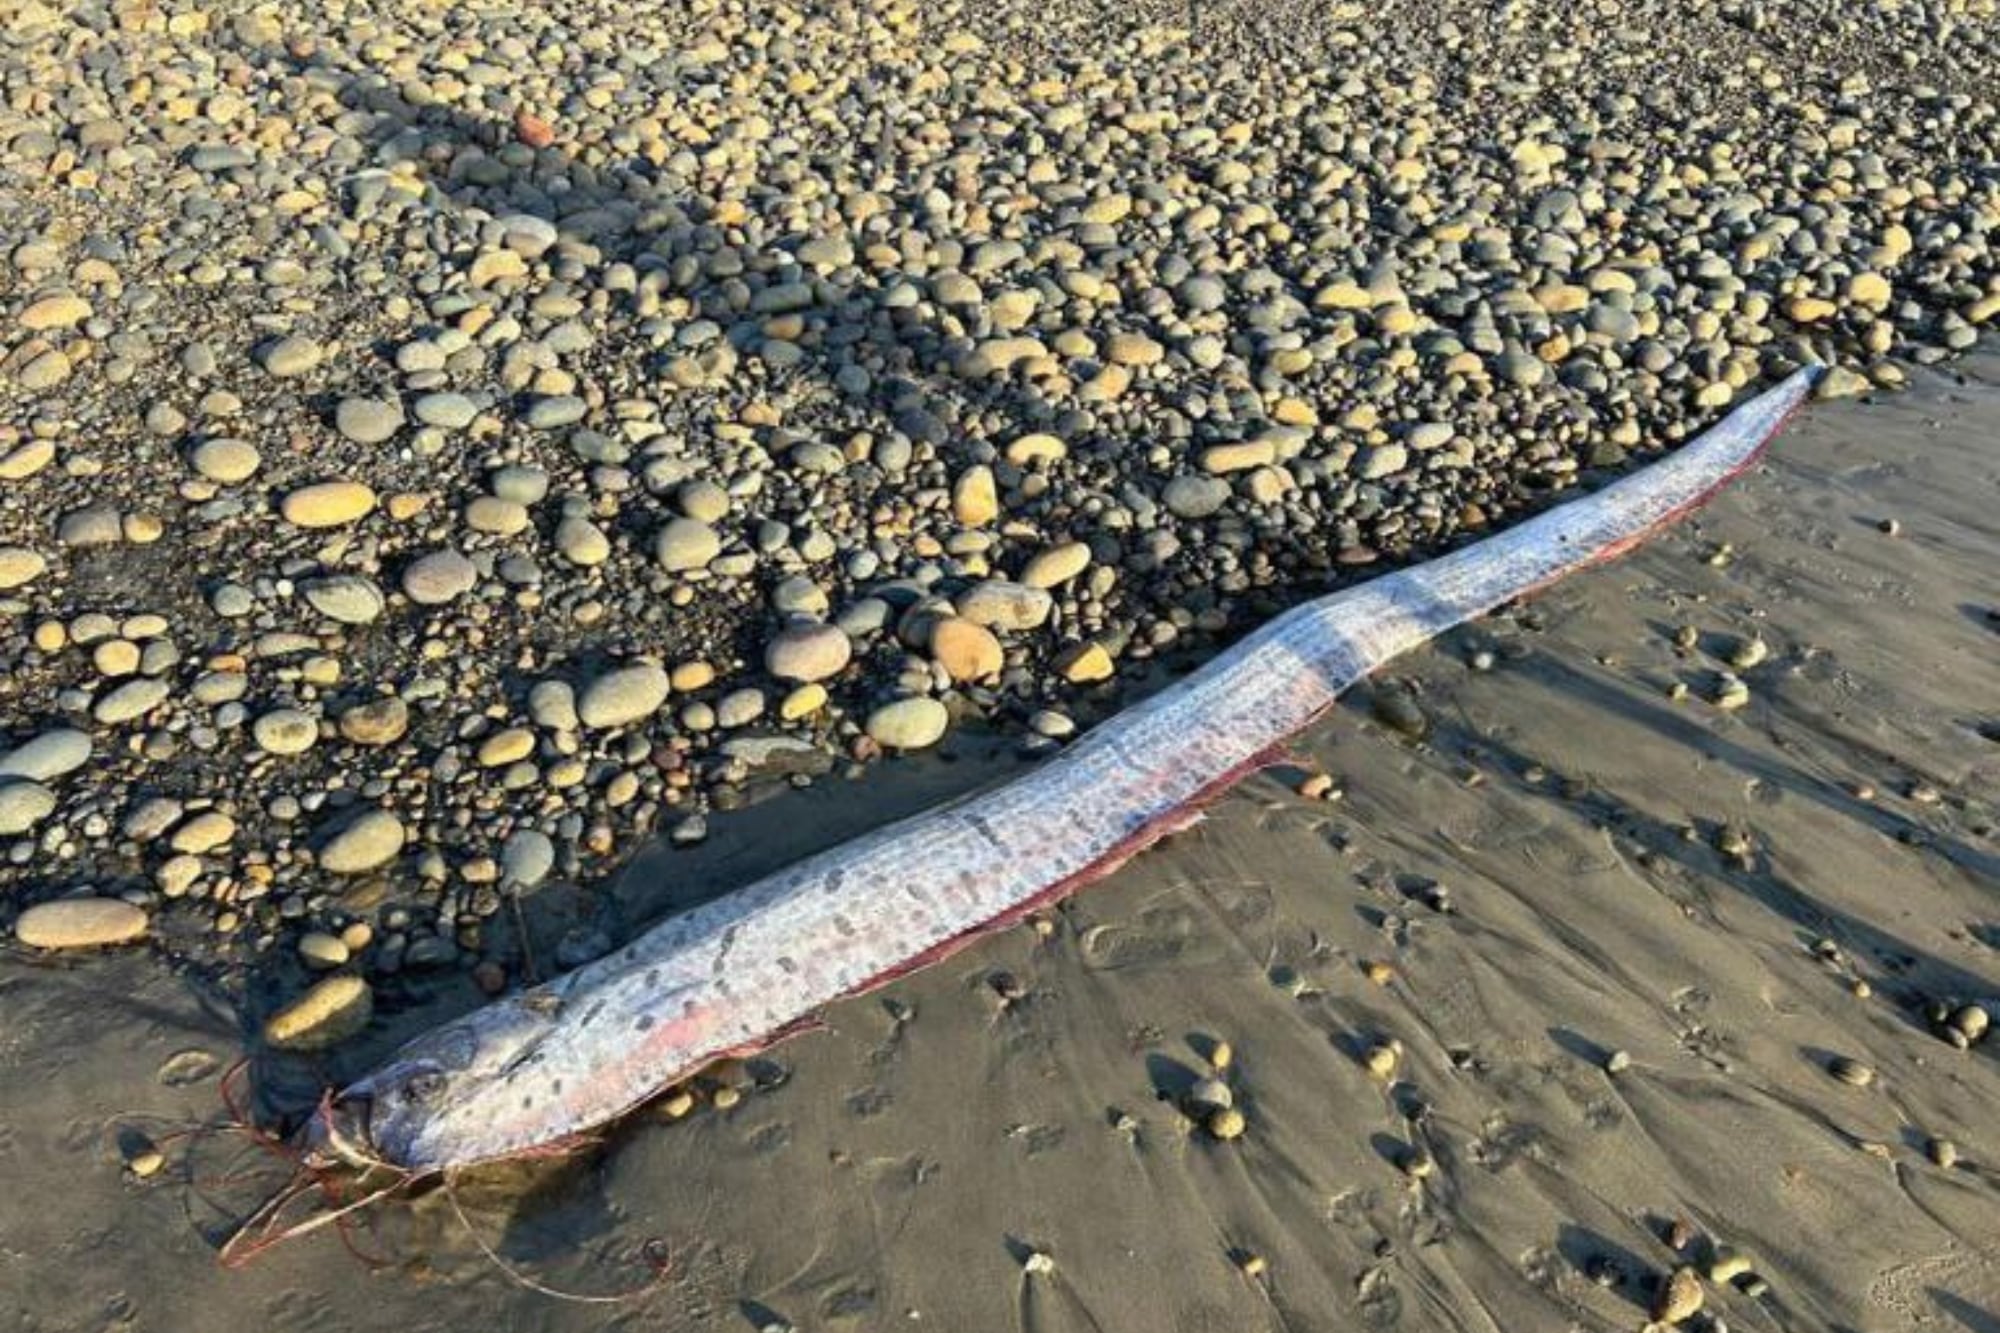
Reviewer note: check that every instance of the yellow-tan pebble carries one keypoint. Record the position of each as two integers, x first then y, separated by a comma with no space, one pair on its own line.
966,651
677,1105
726,1097
506,747
51,637
1085,663
329,1013
328,504
803,702
1381,1060
690,676
1223,1056
323,951
147,1163
1226,1123
1380,973
80,923
115,657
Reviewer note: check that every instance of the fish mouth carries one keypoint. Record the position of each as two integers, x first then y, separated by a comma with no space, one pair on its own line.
338,1135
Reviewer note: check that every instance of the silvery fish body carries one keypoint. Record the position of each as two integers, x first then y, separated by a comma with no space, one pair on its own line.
734,974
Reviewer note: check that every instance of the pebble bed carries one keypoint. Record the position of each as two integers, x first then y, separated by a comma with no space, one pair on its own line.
442,442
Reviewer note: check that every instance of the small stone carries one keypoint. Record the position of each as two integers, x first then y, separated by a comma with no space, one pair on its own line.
966,651
130,701
1679,1296
527,858
439,577
1942,1152
366,844
1381,1060
807,653
48,756
203,833
623,696
317,949
686,544
1056,565
1617,1062
506,747
291,356
378,722
367,420
285,731
1226,1123
582,542
63,311
80,923
1850,1071
24,803
908,724
1009,607
328,504
225,461
329,1013
1085,663
348,599
19,565
974,499
1210,1094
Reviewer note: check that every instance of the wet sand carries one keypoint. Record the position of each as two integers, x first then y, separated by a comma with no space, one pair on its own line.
895,1170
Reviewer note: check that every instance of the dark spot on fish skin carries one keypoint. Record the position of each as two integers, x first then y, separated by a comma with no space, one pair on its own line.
843,925
652,976
555,1085
643,1022
527,1102
834,879
786,965
591,1014
984,827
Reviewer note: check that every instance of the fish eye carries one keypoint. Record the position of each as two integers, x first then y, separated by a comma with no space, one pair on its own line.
423,1087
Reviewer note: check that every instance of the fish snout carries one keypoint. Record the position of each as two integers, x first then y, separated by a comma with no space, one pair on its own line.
338,1134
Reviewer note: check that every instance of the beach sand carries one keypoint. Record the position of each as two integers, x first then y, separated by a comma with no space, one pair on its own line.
1543,875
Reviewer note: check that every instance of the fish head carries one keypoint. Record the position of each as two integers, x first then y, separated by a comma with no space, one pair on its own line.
384,1119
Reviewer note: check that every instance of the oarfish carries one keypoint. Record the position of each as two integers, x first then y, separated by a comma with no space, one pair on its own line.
737,973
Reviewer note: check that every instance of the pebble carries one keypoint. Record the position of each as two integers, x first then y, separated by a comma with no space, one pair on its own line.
48,756
329,1013
225,461
366,843
1679,1297
686,544
622,696
808,653
439,577
81,923
285,731
23,804
368,420
1851,1071
967,651
328,504
349,599
1226,1123
292,356
20,565
908,724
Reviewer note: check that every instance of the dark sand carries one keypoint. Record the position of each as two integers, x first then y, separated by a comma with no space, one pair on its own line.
907,1159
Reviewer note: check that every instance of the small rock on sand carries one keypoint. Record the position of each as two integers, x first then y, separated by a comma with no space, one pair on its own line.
623,696
80,923
909,724
366,844
332,1011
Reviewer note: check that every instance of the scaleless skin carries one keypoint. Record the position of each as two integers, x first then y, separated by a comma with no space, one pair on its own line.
737,973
